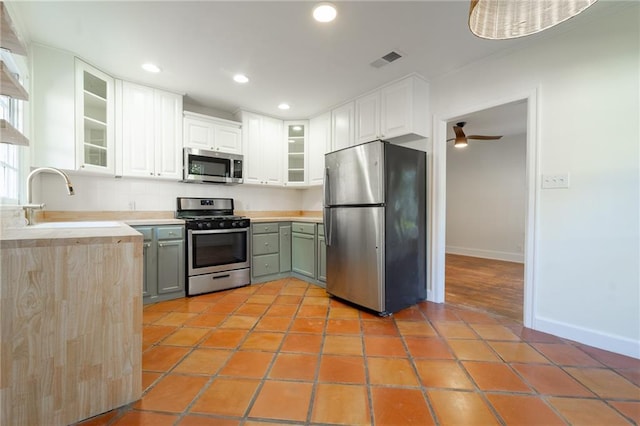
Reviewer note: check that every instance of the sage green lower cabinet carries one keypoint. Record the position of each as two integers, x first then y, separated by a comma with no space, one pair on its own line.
270,251
285,248
164,263
303,249
322,255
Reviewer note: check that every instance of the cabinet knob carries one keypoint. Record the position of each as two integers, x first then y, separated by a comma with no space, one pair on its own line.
151,173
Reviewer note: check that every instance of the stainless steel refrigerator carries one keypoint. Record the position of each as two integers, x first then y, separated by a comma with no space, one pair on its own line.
375,225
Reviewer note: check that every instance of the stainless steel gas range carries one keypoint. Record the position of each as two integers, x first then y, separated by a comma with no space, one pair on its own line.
217,245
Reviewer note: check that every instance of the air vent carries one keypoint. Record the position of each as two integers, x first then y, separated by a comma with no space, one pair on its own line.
386,59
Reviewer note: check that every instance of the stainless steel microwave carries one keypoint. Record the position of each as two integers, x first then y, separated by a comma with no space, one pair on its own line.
203,166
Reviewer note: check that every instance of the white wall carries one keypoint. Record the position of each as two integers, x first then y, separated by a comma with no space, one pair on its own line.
587,245
312,199
96,193
486,199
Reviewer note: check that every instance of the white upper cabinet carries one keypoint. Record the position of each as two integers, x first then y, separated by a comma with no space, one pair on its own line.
319,145
296,152
213,134
150,132
397,112
94,119
367,120
72,113
262,144
342,126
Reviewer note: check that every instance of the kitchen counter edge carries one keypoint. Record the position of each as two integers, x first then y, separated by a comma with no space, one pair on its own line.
309,219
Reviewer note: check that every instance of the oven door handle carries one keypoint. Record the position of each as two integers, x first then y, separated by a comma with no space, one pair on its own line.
219,231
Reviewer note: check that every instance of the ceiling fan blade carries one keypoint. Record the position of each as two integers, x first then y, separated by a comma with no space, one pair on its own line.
458,131
484,137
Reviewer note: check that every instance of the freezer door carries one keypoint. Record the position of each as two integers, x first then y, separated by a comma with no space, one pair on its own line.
355,257
355,175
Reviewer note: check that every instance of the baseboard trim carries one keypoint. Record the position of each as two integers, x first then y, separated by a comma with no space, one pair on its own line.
486,254
606,341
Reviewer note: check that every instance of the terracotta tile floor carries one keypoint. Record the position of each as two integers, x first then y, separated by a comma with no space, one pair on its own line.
283,352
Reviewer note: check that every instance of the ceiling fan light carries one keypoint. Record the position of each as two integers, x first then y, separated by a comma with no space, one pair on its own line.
505,19
460,143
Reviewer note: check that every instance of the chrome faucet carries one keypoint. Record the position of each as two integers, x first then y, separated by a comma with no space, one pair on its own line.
30,207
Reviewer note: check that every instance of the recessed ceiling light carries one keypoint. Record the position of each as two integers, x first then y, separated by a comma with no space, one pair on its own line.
151,67
240,78
284,106
324,12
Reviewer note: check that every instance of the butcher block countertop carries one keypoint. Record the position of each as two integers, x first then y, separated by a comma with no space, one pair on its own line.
41,235
311,216
140,218
310,219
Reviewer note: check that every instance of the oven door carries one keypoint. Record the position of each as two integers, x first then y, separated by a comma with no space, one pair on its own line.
217,251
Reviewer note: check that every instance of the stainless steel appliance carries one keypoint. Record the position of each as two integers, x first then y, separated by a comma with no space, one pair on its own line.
217,245
375,225
203,166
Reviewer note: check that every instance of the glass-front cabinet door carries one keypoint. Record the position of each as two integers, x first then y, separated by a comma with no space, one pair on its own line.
296,161
95,119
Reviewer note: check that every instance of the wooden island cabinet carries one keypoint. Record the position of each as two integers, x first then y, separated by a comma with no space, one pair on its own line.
71,303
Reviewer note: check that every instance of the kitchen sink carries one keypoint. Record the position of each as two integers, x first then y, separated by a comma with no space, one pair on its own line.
80,224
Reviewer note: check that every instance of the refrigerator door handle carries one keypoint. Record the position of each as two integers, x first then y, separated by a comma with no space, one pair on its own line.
326,216
326,187
326,219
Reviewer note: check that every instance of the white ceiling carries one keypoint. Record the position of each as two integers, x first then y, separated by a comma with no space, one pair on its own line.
289,57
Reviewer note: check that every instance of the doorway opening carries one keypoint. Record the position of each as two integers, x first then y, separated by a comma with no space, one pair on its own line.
485,212
484,205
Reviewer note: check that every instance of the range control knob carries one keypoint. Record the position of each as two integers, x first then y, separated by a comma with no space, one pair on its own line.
222,224
234,224
209,225
199,225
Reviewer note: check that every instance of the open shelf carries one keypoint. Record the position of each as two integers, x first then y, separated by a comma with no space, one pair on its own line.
11,135
8,36
10,86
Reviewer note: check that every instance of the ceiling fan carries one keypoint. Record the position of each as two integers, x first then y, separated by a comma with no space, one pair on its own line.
461,138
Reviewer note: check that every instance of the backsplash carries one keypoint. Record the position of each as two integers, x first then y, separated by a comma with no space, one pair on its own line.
96,193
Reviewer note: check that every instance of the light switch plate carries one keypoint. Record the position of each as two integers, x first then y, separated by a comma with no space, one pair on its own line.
558,180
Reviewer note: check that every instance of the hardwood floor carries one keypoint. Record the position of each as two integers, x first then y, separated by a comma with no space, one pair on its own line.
493,285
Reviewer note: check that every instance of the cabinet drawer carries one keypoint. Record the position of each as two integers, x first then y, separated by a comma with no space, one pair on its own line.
170,232
147,233
264,228
265,265
265,243
303,228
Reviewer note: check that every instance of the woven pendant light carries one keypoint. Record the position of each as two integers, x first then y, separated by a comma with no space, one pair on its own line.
504,19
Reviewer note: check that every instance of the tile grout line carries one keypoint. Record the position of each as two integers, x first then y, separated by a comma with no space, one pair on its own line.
265,377
467,321
423,390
